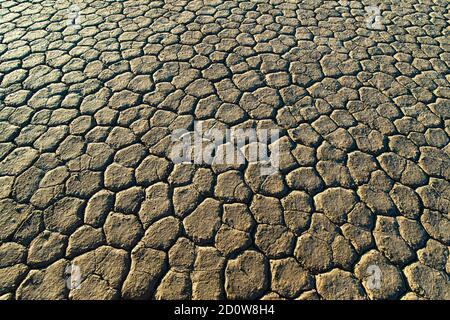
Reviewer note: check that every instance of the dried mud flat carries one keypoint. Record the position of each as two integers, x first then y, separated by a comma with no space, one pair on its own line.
92,207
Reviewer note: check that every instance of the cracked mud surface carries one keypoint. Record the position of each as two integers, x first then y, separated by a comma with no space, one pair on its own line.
85,177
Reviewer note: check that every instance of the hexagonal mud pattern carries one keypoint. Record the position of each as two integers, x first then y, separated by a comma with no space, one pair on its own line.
92,205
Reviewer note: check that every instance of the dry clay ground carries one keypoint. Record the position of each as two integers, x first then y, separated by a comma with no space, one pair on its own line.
358,210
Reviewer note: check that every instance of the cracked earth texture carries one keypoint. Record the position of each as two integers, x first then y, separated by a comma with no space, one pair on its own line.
85,178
